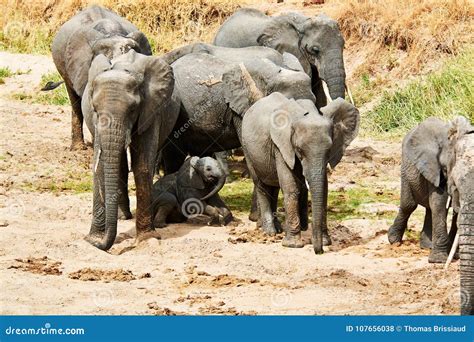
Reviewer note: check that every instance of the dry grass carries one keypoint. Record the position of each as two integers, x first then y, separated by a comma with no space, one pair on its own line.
29,26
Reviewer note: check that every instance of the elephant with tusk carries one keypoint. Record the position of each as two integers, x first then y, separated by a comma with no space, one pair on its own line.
193,190
317,42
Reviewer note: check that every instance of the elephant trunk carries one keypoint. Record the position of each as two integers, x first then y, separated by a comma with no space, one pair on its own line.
216,189
334,74
112,144
466,249
315,178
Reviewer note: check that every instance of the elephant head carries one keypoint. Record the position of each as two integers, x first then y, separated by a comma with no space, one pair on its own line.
426,148
245,84
300,132
122,99
202,173
317,43
105,37
461,188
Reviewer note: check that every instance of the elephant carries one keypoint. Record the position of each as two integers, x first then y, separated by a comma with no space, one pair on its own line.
317,43
287,142
213,89
89,33
461,188
126,104
424,182
191,191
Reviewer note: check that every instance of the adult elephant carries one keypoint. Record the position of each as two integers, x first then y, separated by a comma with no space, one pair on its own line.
215,86
287,142
461,188
89,33
317,42
125,103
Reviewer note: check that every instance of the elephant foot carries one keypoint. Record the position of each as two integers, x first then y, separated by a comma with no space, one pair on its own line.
78,146
425,241
253,216
394,235
93,239
269,229
124,214
278,226
437,257
225,220
160,224
292,241
326,239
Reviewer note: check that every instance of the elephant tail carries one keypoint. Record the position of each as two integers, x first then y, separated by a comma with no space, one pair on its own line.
174,55
51,85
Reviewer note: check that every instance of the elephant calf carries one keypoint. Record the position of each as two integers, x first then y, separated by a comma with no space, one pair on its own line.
424,182
191,191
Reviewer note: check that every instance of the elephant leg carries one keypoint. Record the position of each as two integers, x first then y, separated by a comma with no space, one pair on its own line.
164,204
439,252
97,229
254,210
407,207
426,236
124,202
77,121
225,215
291,194
213,213
265,194
326,238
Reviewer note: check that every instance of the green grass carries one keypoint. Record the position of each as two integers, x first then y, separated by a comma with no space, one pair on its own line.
238,195
6,72
57,96
73,183
445,94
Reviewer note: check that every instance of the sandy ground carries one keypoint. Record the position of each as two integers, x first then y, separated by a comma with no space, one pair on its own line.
47,268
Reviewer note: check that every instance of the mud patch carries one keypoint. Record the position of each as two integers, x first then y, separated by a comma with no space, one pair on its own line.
409,248
360,154
204,279
90,274
342,237
193,299
255,235
157,310
41,265
220,309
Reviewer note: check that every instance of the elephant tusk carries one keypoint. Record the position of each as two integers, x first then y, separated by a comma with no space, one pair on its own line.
255,93
307,184
326,91
350,94
96,164
453,250
129,159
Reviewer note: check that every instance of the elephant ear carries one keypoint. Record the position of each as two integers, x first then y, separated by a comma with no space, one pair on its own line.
291,62
240,90
281,123
157,87
345,119
188,176
423,147
99,65
79,56
142,42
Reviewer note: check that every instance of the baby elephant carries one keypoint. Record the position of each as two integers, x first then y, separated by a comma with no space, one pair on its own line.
424,182
191,191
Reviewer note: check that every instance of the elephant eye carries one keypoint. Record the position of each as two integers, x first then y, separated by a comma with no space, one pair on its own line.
315,50
208,168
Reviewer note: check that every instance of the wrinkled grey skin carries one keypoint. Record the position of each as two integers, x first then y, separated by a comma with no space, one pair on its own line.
89,33
424,182
213,95
125,104
317,43
287,142
191,191
461,188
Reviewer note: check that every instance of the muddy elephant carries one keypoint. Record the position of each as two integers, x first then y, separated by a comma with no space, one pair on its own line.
424,182
125,105
317,42
287,142
461,188
193,190
89,33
